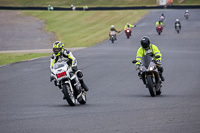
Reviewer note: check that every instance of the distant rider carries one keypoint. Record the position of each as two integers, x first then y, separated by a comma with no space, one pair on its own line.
177,24
162,17
113,29
187,13
60,54
152,50
159,23
128,26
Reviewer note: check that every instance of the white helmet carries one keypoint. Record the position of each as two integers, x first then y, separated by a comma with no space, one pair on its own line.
177,19
127,23
186,11
112,26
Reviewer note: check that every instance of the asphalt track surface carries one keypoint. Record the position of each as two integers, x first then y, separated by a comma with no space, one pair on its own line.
118,102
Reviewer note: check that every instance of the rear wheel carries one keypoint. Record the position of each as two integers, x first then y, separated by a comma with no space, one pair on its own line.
69,95
152,89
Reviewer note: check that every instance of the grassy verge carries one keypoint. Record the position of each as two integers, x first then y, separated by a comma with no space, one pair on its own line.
80,3
16,57
186,2
77,28
82,28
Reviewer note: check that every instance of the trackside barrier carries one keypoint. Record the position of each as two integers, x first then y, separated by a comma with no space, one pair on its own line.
105,8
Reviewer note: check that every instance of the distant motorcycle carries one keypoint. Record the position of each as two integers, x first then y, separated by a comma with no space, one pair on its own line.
186,15
112,36
159,29
162,18
149,73
68,82
128,32
177,28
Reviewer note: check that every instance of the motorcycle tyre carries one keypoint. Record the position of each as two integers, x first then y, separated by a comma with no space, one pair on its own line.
127,37
112,40
66,89
152,89
158,33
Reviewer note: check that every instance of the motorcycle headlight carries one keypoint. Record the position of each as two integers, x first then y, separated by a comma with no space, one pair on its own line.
151,68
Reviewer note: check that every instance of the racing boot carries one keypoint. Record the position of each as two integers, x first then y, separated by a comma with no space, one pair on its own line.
80,77
83,85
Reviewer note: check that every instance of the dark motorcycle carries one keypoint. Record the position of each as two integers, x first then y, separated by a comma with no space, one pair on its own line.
149,73
177,28
159,29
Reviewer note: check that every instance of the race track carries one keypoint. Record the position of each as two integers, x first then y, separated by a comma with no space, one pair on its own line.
118,102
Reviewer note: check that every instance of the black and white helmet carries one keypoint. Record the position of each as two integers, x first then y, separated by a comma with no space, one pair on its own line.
145,42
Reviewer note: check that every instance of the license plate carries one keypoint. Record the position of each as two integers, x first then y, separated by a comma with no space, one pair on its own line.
60,75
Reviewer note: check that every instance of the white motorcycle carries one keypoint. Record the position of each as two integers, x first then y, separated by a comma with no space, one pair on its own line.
64,77
186,15
112,36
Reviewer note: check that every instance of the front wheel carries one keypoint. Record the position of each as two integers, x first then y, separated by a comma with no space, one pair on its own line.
69,95
150,86
112,39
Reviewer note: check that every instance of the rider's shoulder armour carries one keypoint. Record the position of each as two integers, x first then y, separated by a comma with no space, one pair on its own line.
66,52
53,56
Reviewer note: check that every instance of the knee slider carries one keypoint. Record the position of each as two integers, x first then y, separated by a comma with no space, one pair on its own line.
80,74
160,69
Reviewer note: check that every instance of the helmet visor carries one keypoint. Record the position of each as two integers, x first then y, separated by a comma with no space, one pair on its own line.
56,50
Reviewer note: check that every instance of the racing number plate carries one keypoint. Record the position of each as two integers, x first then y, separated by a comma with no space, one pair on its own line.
62,74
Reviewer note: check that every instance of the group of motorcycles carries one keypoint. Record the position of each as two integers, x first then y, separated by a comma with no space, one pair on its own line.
113,34
74,93
159,28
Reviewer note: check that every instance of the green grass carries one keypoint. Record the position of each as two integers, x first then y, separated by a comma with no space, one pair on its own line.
80,3
82,28
187,2
7,58
90,3
77,28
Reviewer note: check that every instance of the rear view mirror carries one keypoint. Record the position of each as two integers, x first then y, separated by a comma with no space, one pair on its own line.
157,56
134,61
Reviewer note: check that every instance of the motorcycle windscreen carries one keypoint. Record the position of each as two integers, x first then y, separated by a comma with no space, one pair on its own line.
58,65
146,60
